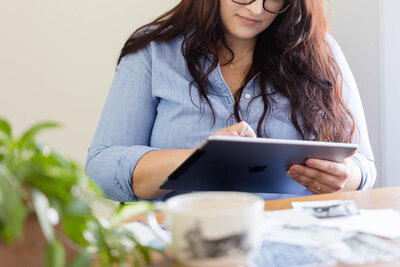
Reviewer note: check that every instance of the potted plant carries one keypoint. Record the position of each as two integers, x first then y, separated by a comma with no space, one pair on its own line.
49,196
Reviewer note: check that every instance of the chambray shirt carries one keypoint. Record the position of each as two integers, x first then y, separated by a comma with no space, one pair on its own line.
150,107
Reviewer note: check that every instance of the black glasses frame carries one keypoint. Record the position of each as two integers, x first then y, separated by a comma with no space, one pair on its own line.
272,12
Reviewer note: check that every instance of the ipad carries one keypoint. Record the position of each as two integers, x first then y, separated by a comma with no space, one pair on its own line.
259,165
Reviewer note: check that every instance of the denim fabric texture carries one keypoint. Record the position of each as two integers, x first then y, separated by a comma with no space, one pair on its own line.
150,107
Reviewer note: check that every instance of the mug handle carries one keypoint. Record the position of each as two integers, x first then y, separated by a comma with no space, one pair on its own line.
151,220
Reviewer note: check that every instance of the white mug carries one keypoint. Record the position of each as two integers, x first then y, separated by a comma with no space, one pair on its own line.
211,228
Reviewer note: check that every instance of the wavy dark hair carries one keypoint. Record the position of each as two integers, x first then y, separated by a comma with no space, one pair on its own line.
292,55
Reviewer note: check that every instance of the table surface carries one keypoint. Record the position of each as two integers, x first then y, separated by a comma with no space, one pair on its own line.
378,198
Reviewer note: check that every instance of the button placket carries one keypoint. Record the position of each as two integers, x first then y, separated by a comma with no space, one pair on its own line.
249,92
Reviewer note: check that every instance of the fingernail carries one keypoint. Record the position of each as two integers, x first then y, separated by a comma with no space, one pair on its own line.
310,162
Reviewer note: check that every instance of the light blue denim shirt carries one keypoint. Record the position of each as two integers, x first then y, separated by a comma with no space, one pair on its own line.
150,107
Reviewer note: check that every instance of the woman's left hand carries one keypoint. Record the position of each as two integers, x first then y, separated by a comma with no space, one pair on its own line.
323,176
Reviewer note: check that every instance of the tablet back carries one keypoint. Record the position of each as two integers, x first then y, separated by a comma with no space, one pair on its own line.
250,164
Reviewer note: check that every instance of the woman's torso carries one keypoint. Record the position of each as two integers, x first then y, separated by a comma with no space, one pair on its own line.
183,121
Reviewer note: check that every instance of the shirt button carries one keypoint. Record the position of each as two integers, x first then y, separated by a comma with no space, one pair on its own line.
247,96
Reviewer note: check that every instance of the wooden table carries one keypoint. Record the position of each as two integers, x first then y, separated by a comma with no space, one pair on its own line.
380,198
370,199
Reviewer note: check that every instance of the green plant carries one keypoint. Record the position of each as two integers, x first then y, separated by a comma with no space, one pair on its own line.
34,179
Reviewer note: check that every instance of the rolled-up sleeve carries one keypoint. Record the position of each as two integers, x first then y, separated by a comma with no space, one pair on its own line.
364,156
368,171
123,133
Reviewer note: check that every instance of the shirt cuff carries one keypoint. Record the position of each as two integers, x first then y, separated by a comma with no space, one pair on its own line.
125,166
111,167
368,171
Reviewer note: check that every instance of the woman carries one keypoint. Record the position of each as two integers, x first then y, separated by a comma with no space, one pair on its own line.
218,66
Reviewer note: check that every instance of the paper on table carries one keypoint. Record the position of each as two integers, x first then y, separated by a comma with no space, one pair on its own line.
328,208
362,249
295,227
307,236
300,204
380,222
289,217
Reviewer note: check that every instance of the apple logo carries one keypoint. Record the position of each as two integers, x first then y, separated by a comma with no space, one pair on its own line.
257,168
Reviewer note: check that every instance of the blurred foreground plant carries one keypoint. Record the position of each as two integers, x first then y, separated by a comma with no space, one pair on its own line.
34,179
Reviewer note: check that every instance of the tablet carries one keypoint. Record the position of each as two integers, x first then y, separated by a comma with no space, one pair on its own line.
259,165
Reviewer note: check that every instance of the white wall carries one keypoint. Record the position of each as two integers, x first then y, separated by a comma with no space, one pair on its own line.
356,26
369,33
57,61
390,71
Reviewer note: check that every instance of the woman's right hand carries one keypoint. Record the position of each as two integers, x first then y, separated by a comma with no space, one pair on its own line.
154,166
238,129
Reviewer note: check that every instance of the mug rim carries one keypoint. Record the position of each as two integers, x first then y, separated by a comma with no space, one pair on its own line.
253,202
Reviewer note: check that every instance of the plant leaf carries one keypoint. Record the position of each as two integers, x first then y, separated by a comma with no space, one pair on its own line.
54,254
29,135
104,258
76,207
126,211
83,260
13,211
33,173
74,227
5,138
5,127
41,204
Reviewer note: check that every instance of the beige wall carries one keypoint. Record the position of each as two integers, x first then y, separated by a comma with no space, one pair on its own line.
57,60
390,77
356,26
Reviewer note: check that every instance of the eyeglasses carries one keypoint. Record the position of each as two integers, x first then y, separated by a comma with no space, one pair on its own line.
271,6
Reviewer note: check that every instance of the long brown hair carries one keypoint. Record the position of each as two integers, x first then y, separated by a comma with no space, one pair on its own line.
292,55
